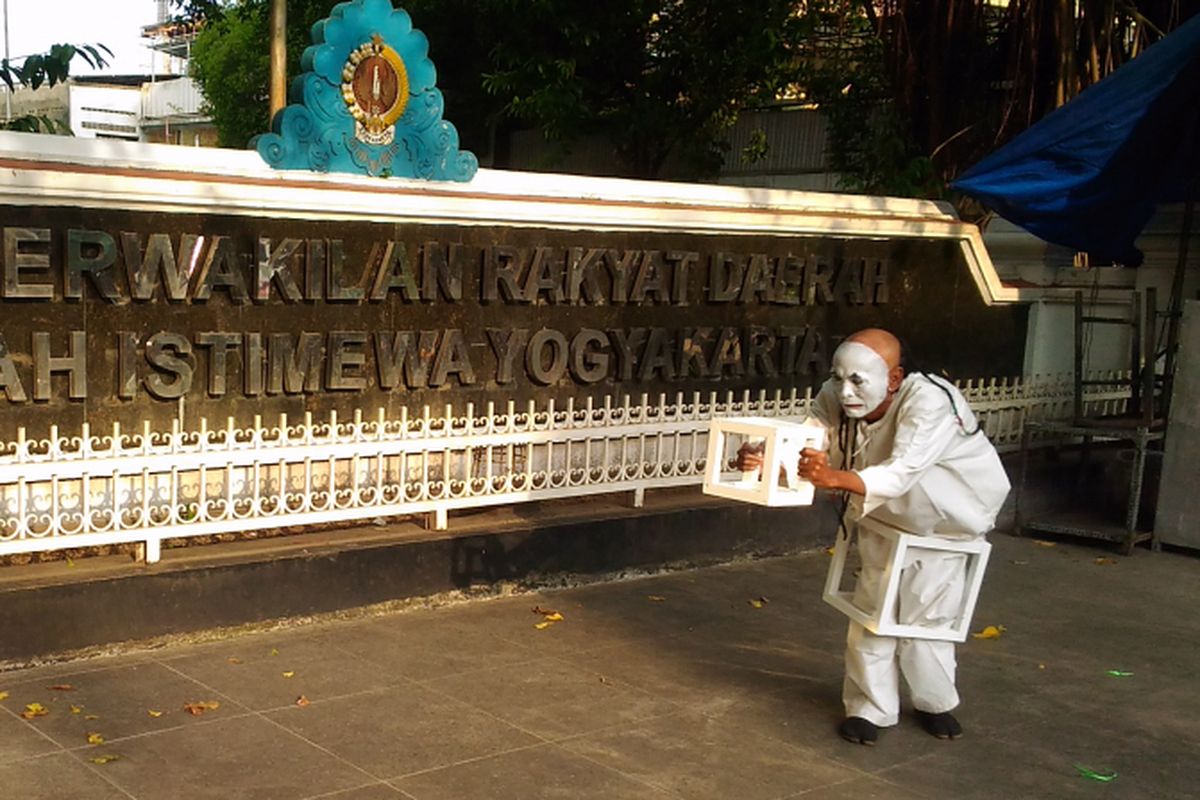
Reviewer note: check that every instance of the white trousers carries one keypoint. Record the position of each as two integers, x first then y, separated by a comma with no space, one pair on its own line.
930,593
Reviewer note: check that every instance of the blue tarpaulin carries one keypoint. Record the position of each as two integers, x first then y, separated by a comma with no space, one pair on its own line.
1089,174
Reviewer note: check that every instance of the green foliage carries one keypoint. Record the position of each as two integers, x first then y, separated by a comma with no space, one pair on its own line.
36,123
913,91
231,61
842,67
658,79
461,38
49,69
757,148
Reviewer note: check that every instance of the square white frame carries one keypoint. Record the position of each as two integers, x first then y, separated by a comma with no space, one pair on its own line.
784,441
880,623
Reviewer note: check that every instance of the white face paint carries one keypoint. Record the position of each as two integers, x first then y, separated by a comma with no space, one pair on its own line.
861,378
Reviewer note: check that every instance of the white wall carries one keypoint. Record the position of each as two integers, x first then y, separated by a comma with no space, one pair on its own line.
1023,259
105,112
1050,343
175,98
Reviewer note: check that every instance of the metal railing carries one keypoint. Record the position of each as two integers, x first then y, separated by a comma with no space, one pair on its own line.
1004,405
120,486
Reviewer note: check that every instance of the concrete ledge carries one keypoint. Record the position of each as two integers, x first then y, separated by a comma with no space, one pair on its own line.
54,608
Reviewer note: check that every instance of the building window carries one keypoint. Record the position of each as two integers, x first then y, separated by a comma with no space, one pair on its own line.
108,111
109,126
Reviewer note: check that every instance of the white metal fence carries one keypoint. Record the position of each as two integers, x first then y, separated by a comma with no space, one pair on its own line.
92,488
1004,405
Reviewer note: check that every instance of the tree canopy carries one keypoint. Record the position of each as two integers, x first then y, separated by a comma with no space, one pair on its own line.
231,59
917,90
653,78
657,79
913,90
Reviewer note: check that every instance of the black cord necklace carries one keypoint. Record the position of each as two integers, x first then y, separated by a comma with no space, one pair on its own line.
846,435
953,406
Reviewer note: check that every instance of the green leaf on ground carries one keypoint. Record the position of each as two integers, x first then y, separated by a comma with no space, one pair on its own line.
1103,777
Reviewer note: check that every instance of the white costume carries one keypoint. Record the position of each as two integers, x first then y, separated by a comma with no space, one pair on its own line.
923,474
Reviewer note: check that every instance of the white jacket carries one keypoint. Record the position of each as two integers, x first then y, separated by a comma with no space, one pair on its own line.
922,472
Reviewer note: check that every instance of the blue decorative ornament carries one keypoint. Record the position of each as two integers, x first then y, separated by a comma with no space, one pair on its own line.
366,102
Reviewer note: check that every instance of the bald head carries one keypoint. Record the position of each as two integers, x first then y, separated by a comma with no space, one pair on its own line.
866,373
882,342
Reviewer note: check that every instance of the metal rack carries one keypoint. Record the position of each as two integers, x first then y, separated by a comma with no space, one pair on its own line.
1140,428
1083,519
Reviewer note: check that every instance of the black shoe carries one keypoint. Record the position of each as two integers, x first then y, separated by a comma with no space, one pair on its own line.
943,725
859,731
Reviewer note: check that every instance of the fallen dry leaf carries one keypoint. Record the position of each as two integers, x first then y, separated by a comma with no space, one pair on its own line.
274,651
828,551
1044,543
153,713
91,716
234,660
103,759
549,617
76,709
655,598
61,687
990,632
289,674
1103,561
198,708
758,602
302,701
95,738
35,710
3,695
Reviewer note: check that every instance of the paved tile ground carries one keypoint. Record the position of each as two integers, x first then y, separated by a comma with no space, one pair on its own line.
672,686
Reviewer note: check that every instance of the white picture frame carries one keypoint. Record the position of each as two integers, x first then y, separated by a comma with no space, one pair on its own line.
781,455
882,620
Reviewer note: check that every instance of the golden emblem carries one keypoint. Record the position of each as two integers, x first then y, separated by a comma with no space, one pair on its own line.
375,90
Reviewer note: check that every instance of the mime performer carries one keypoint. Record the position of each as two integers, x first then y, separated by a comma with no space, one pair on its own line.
908,453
